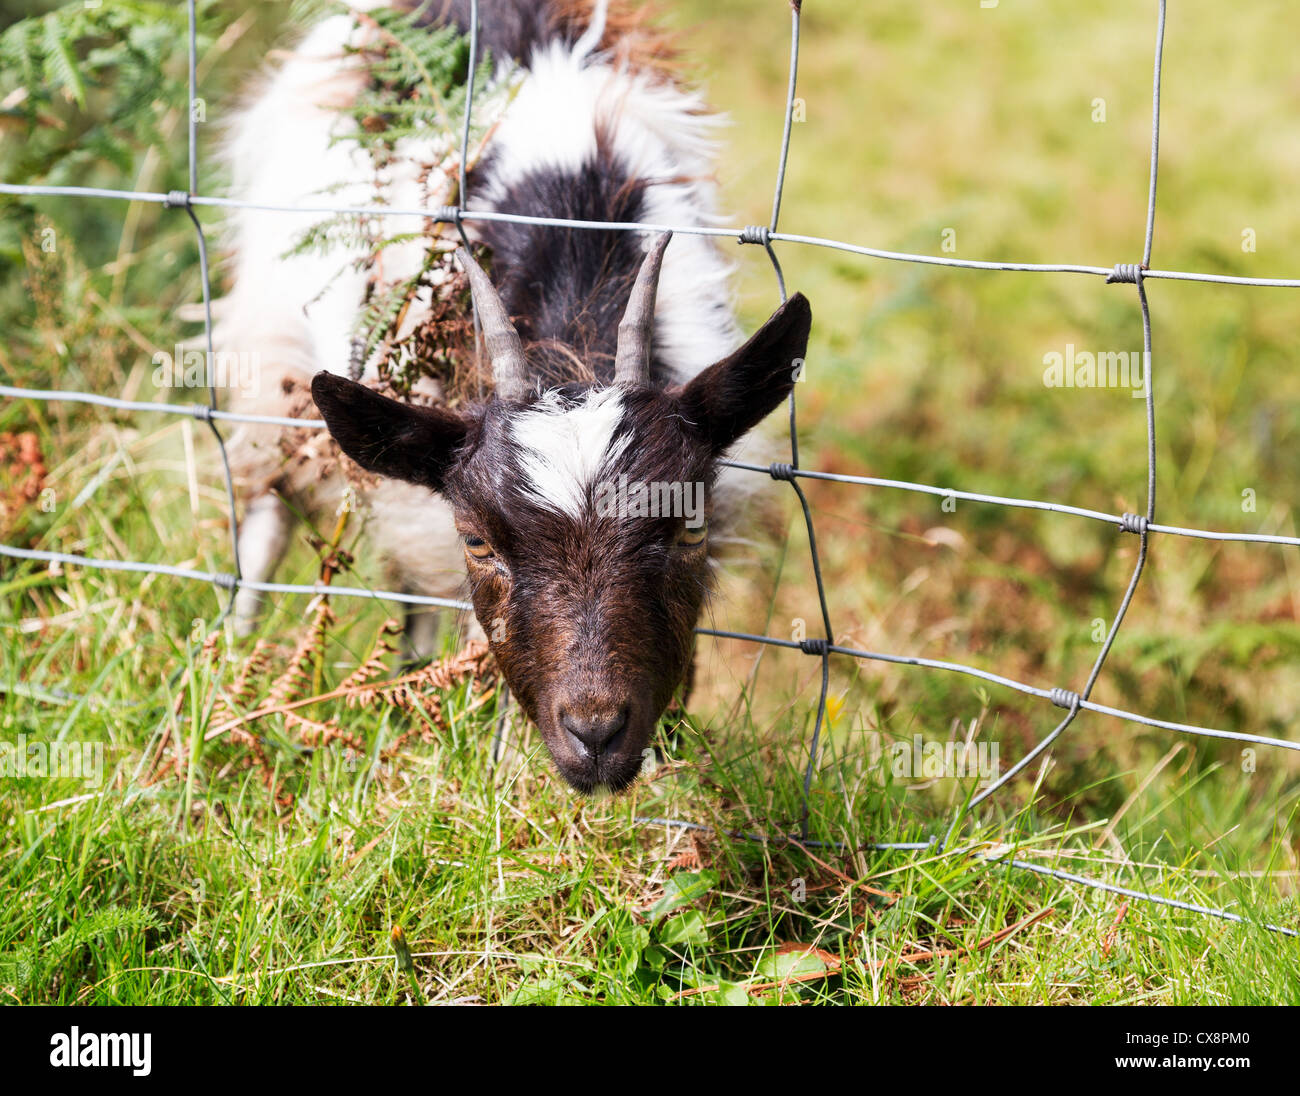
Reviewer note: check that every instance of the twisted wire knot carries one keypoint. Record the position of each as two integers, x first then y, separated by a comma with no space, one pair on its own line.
1065,698
202,412
1133,523
756,234
448,213
176,199
779,471
226,582
815,646
1125,272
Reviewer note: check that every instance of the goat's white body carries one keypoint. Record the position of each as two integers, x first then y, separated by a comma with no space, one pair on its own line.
296,313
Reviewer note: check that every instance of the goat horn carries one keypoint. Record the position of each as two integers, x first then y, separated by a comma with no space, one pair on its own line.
632,358
504,347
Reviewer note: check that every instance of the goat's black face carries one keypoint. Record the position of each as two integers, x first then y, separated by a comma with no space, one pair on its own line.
585,523
584,514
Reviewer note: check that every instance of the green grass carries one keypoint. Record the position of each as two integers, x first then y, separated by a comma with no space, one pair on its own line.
198,888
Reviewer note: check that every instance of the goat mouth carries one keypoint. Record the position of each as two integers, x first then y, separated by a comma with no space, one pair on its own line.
602,778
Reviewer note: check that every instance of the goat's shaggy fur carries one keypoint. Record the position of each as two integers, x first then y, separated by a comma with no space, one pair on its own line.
587,123
586,134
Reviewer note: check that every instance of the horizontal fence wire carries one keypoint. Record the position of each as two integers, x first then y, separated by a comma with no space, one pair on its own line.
1142,525
205,412
454,214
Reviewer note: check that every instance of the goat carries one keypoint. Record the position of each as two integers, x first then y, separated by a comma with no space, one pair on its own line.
599,378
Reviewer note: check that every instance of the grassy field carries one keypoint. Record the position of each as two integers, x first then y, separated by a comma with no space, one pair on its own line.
270,860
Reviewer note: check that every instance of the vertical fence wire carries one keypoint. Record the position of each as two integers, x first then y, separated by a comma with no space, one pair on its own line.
205,278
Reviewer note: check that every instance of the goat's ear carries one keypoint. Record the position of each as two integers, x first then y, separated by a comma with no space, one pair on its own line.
411,443
734,395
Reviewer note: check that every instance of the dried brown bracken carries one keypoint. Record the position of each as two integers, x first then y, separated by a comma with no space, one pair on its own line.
298,685
22,475
419,694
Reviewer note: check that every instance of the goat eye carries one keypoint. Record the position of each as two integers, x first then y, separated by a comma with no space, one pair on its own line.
691,537
478,547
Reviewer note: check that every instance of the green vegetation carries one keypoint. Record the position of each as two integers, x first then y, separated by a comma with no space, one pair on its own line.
273,864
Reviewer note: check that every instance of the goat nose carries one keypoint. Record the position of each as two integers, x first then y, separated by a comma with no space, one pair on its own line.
593,730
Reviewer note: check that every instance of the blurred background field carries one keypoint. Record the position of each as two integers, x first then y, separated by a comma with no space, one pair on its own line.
917,120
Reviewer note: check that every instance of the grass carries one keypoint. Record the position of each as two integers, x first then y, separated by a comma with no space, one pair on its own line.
199,887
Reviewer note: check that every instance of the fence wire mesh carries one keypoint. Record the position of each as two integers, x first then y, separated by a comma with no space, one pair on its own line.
823,647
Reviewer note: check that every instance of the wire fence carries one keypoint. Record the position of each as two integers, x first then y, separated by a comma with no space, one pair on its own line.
1143,525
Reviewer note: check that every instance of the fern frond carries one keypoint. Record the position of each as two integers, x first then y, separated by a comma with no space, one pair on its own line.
60,66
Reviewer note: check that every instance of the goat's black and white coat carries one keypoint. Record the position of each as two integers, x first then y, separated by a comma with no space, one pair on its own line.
589,616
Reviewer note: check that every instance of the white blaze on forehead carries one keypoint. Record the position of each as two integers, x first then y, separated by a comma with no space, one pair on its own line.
563,446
